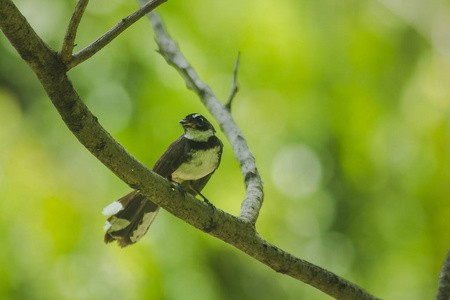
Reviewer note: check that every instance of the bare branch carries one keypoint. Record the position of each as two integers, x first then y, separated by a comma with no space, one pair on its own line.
105,39
69,39
444,280
169,50
234,86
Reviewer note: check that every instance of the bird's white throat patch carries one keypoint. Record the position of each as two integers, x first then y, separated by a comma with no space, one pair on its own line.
198,135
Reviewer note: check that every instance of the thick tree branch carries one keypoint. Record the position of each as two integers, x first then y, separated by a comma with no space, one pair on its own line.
444,280
169,50
238,232
105,39
69,39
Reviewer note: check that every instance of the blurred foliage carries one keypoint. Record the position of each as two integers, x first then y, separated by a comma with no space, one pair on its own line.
345,105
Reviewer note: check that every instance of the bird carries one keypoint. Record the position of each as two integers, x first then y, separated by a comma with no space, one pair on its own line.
188,163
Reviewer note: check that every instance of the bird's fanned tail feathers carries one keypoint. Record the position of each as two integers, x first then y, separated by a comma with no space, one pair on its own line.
132,216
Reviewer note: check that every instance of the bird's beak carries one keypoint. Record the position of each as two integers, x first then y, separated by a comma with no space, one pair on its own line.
186,123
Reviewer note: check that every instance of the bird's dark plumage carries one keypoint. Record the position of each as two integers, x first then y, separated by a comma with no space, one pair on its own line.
189,161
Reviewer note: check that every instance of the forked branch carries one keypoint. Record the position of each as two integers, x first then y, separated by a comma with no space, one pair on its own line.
114,32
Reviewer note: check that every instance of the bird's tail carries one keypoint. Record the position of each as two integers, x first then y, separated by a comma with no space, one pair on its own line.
131,216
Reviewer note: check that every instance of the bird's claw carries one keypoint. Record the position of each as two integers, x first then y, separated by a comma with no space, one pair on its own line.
180,188
209,204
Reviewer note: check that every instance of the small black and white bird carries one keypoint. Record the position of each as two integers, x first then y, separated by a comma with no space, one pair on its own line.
188,162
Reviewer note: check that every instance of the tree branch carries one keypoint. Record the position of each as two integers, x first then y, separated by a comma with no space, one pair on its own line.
238,232
444,280
234,86
105,39
69,39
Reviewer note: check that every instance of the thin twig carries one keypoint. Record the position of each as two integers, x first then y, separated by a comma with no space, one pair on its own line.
105,39
169,50
69,39
234,86
444,280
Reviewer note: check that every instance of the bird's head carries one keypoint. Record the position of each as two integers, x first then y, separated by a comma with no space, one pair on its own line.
197,128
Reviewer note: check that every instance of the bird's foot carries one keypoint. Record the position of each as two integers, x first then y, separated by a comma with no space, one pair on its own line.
208,203
179,188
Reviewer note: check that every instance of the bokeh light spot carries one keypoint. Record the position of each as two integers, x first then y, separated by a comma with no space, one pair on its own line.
296,171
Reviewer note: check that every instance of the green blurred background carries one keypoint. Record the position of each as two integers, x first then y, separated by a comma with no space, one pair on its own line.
345,105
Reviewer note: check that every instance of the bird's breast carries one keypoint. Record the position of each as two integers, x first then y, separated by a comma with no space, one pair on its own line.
200,164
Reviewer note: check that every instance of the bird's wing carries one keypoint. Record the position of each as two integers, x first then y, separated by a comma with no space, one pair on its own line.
174,156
